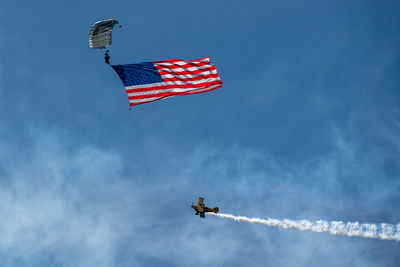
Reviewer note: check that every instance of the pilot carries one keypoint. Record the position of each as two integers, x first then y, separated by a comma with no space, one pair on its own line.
107,58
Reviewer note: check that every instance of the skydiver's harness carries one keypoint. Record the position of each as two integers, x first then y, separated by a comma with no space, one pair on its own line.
107,57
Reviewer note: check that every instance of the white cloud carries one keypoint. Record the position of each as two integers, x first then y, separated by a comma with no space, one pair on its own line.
52,205
79,205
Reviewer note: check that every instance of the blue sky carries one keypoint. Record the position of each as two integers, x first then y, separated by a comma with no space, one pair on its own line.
306,126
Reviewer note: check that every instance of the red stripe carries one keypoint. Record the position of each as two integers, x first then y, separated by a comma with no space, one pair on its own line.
167,93
164,95
184,66
174,79
184,86
152,95
200,91
176,60
162,72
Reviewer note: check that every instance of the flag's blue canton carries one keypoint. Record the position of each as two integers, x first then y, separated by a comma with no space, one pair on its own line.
136,74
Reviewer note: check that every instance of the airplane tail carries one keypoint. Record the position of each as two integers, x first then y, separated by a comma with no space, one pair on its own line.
215,209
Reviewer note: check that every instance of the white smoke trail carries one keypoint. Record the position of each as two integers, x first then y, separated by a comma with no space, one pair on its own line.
382,231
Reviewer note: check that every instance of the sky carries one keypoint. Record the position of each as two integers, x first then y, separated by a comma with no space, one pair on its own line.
306,126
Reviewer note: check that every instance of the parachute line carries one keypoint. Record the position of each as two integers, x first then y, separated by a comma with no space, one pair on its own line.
381,231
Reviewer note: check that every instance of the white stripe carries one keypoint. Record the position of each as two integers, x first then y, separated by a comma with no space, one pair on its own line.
153,92
204,73
208,88
143,100
170,83
196,82
186,69
147,85
199,90
172,90
182,62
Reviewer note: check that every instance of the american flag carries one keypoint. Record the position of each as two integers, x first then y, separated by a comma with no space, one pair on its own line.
151,81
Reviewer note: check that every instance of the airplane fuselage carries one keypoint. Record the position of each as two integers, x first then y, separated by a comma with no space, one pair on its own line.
201,209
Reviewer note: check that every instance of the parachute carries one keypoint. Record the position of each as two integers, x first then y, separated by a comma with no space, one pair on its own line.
100,33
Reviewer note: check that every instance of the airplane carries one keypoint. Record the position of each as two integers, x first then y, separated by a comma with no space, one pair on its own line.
201,209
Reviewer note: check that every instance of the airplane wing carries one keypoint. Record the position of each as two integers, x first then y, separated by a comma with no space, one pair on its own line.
200,201
200,204
202,215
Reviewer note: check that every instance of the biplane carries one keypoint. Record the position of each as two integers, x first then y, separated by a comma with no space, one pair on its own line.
201,209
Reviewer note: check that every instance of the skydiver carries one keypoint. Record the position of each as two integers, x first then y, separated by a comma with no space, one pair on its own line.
107,58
